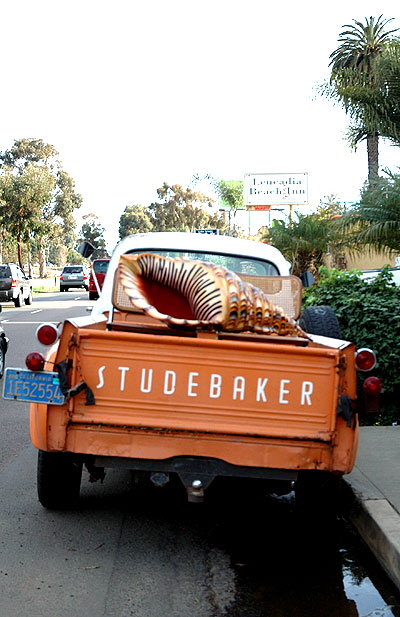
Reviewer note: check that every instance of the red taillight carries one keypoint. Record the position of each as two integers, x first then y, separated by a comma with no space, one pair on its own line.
372,386
47,334
13,283
365,359
34,361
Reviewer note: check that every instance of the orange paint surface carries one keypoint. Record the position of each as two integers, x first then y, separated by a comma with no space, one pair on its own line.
248,402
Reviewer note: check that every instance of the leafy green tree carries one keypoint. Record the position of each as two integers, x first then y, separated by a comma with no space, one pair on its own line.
182,210
62,240
58,249
229,192
231,195
134,219
8,246
355,80
93,232
23,195
330,207
35,195
26,151
73,257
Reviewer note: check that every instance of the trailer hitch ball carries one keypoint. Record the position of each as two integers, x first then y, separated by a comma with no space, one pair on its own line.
196,492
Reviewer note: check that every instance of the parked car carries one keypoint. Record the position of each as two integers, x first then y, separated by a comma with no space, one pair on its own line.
3,350
15,286
371,274
98,270
74,276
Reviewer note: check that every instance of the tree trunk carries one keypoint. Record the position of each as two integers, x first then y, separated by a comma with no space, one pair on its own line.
19,250
30,270
373,157
42,259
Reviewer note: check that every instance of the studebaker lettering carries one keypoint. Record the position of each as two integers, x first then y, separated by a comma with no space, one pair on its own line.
213,385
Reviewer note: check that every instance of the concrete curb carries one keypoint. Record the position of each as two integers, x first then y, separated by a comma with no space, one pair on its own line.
377,522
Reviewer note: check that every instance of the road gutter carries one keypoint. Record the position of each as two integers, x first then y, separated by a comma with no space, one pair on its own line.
376,521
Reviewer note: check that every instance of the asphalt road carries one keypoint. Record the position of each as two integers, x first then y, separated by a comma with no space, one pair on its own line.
143,552
120,554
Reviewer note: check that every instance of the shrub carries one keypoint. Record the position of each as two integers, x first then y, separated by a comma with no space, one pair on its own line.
369,315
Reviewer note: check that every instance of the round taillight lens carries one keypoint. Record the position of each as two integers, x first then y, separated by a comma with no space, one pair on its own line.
47,334
365,359
372,386
34,361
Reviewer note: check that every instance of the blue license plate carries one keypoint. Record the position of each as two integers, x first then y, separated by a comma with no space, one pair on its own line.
32,386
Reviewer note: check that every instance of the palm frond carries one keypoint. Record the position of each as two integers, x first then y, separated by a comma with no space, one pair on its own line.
375,220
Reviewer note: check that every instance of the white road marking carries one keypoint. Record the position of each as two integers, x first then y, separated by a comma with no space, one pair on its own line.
19,323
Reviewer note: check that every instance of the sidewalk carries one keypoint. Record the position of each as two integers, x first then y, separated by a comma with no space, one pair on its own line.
374,490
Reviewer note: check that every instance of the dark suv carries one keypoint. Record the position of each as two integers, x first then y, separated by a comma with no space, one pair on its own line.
14,285
74,276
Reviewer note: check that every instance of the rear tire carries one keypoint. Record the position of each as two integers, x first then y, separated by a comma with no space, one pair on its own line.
58,479
18,301
93,295
320,320
2,358
28,300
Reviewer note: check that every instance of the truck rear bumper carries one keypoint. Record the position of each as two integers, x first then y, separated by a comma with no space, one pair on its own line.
243,451
195,473
189,465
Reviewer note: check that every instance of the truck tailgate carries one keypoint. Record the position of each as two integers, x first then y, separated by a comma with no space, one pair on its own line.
212,386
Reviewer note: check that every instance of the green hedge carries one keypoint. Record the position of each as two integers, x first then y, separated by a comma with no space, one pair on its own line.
369,315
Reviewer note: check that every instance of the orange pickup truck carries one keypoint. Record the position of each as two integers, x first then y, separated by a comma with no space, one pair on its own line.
158,380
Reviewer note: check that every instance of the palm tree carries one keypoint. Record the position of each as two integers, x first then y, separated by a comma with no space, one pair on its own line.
355,66
387,107
375,221
304,241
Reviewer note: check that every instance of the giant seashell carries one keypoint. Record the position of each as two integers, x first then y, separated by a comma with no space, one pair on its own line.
184,292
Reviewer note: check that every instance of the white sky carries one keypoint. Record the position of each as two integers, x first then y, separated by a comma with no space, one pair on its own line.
133,93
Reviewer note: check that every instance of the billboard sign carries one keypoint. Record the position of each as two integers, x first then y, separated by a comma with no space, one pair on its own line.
275,189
